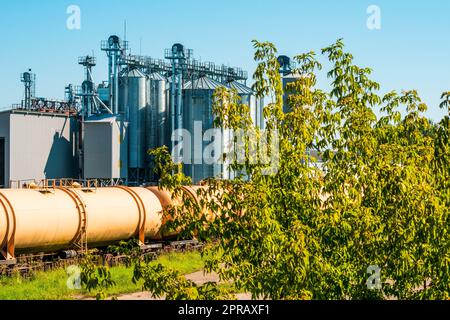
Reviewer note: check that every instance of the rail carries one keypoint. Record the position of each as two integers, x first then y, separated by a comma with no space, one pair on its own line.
51,184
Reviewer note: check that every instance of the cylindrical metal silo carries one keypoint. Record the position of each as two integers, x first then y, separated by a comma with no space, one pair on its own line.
136,102
288,78
197,119
247,97
156,112
256,106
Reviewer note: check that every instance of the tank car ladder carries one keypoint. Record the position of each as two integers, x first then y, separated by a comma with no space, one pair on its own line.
80,239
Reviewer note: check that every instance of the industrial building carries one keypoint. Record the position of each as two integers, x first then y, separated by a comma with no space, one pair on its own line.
36,146
104,130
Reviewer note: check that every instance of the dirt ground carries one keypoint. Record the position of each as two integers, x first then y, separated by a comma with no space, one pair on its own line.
198,277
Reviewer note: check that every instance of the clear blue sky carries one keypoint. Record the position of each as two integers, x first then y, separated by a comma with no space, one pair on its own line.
412,49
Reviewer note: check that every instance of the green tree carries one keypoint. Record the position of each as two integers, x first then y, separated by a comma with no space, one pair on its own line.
95,277
380,198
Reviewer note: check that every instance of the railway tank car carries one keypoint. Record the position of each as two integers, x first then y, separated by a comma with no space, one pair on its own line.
72,218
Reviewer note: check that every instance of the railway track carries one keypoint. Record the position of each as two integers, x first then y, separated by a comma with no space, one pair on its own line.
27,265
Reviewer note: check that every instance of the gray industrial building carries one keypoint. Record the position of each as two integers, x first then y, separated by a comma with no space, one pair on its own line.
36,146
104,130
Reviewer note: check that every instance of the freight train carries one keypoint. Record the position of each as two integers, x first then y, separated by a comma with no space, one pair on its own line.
57,219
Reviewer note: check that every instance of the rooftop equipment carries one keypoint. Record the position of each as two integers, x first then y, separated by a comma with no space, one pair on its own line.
91,103
29,80
115,50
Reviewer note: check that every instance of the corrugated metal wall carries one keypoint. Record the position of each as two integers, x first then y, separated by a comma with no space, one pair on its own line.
136,105
197,111
105,149
38,146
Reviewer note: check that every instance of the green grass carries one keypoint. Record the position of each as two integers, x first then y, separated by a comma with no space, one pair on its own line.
52,285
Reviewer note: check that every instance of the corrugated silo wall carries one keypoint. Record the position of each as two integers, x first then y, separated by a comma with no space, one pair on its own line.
197,107
41,146
137,102
287,80
162,113
155,130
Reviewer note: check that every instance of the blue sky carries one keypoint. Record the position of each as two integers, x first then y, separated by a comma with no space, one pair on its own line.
412,49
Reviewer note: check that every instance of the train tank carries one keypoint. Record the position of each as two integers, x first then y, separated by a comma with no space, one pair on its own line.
49,220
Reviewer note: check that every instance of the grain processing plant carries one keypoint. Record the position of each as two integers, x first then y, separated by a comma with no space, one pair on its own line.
103,131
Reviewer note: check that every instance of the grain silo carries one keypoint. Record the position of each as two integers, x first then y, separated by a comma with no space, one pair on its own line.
133,89
197,119
248,97
288,75
256,106
156,111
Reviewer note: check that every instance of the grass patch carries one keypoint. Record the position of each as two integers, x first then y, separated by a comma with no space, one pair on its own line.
52,285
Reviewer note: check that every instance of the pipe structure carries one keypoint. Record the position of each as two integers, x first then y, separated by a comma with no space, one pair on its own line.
65,218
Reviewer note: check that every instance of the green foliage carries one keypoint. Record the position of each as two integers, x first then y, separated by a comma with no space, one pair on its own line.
163,281
52,284
129,249
170,174
95,277
380,198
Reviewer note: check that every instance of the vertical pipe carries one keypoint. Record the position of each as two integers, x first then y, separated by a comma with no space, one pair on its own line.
161,111
116,84
179,101
87,98
172,103
111,81
27,96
